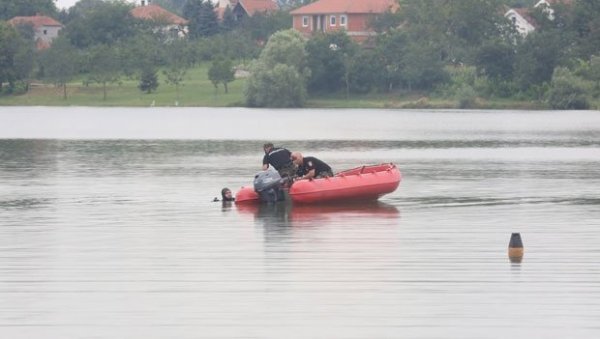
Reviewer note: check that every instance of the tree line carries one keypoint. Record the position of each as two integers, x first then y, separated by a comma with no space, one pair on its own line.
460,49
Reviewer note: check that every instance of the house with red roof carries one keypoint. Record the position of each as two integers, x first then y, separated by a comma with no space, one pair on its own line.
524,22
246,8
45,29
171,23
353,16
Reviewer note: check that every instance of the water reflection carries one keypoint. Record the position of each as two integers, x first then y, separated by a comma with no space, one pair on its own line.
285,214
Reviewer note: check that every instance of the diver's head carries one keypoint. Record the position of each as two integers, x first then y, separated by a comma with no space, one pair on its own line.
226,194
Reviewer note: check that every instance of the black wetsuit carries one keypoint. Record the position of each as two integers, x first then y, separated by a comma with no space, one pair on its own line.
320,167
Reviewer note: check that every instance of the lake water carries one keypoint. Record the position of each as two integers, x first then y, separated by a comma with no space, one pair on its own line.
107,229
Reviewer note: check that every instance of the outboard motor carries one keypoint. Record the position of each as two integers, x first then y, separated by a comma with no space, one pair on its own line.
268,186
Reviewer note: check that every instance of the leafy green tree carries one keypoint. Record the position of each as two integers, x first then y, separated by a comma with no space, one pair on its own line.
177,64
496,60
103,65
16,56
278,77
221,72
567,91
585,24
391,48
423,69
229,21
366,71
13,8
278,86
148,80
61,63
202,18
456,28
104,23
261,26
327,56
537,58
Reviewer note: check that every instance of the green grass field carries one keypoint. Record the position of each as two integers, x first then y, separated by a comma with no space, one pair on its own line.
198,91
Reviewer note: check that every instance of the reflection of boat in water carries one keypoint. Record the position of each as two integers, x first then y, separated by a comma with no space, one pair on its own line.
311,212
363,183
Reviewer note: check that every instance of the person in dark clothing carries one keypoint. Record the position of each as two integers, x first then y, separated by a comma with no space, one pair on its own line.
226,195
280,159
311,167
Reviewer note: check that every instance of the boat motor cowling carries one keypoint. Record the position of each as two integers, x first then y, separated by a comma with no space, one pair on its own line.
268,185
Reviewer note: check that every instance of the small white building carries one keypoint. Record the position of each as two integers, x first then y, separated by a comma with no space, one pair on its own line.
45,29
521,19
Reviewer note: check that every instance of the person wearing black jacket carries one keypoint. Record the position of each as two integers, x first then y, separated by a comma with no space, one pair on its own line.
310,167
280,159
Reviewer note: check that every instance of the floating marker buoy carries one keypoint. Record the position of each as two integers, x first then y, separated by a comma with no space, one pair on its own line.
515,248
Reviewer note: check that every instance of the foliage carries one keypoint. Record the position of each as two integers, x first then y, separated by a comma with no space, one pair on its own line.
365,72
279,86
61,63
466,97
103,65
221,72
103,23
202,18
327,55
177,65
148,80
278,77
536,58
423,68
16,56
567,91
13,8
496,60
261,26
391,49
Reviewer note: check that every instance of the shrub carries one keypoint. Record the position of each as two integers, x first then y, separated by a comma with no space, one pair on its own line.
567,91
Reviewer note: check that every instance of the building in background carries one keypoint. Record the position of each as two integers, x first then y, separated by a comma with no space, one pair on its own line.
45,29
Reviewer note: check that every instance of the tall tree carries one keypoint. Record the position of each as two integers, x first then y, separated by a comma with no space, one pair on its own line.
202,18
12,8
327,58
16,56
61,63
103,22
103,64
221,72
279,75
177,65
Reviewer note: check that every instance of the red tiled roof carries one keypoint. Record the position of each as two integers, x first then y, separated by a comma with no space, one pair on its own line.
36,21
157,13
347,6
253,6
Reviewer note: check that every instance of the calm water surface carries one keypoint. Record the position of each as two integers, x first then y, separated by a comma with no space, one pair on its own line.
107,229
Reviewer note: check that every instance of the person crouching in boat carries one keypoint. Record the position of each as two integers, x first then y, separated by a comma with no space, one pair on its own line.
310,167
279,159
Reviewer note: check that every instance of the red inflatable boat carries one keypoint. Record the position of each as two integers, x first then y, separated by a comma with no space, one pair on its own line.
362,183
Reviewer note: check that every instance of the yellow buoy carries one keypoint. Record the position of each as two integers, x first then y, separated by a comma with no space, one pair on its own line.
515,248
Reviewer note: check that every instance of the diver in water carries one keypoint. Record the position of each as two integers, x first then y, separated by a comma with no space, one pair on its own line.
226,196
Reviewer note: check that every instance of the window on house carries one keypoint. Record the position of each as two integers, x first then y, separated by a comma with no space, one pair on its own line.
514,20
45,32
343,20
304,21
332,20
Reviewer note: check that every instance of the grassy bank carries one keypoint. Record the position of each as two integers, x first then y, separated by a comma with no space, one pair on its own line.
198,91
